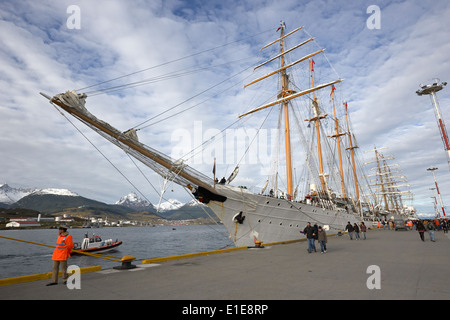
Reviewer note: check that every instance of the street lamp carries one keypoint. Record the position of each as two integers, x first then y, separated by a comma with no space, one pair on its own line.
432,169
431,89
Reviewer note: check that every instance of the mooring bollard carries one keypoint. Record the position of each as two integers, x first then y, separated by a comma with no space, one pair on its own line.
126,263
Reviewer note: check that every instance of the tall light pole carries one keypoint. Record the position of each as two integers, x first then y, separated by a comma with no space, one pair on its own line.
431,89
437,189
435,203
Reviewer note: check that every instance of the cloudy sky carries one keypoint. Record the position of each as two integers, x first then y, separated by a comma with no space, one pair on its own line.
55,46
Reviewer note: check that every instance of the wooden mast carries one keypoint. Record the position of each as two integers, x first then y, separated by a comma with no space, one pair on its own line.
285,95
338,135
352,153
383,191
316,119
285,92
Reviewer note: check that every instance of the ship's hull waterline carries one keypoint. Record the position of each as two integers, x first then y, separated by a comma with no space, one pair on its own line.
246,215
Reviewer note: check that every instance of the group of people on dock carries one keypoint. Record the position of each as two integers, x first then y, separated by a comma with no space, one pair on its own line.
314,233
430,226
318,233
357,230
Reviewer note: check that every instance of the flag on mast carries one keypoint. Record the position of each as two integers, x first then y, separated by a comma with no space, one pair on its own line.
282,25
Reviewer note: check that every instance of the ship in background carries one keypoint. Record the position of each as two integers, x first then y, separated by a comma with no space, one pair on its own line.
315,139
392,196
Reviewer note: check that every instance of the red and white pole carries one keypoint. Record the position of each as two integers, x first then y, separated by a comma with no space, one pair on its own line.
437,189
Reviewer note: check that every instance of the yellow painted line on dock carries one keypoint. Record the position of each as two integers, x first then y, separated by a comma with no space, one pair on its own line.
42,276
190,255
205,253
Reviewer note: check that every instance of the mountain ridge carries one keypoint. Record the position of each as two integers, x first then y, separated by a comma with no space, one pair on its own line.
53,201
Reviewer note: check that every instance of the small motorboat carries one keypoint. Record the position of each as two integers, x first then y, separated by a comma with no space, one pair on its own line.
95,244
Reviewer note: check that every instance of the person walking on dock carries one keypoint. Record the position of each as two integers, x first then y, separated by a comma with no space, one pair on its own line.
64,245
363,229
349,228
431,228
445,226
310,235
322,237
421,229
356,229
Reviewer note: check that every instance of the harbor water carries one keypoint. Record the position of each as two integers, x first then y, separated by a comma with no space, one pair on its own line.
19,259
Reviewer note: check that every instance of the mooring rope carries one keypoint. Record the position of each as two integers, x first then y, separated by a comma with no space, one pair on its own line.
112,258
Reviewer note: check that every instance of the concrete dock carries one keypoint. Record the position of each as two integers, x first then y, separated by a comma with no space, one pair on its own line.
389,265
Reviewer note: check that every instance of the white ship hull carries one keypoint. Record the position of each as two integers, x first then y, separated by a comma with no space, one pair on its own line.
272,219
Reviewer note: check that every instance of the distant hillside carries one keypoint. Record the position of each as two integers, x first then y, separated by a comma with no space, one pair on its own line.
62,201
51,203
189,211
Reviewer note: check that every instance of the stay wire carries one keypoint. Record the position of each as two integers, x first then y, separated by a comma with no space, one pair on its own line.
190,98
175,74
104,156
172,61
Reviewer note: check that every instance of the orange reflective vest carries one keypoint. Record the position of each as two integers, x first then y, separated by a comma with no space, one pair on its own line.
64,246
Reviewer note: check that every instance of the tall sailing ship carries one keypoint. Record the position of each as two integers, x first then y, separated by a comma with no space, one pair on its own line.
389,185
332,194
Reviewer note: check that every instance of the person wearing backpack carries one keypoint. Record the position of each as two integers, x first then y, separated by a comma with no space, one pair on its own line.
430,229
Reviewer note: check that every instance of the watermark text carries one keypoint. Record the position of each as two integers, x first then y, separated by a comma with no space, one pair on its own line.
374,21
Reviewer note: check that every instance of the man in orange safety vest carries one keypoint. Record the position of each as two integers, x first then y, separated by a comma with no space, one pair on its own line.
64,245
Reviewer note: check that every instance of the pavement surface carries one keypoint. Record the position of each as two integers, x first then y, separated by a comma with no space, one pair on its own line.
389,265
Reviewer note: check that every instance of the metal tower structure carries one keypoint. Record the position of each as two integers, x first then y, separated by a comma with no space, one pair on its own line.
431,89
437,188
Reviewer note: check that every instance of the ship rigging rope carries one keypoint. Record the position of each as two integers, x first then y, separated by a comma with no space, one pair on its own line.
210,140
157,79
193,106
124,177
173,61
103,256
104,156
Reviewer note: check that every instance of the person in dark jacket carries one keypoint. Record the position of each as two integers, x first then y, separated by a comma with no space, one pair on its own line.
445,226
356,229
363,229
349,228
316,231
421,229
309,231
322,237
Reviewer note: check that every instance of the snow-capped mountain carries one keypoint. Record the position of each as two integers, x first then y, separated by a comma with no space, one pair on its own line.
132,200
10,195
171,204
195,203
58,192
